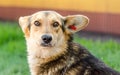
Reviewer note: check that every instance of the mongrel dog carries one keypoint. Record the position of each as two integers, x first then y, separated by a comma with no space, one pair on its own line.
50,46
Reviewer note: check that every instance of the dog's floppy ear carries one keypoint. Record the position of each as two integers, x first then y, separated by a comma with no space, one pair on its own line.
76,23
24,23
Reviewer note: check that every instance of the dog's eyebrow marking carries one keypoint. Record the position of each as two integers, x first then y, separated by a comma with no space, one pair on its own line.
46,13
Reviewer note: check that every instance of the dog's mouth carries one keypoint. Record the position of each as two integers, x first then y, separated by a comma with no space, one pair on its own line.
46,44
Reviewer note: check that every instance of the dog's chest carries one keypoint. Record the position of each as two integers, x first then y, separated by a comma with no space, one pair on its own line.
58,67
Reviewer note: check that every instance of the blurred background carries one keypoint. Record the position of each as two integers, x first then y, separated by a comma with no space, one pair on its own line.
104,14
101,36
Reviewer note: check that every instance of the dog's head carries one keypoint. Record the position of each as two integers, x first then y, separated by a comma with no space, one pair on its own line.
49,29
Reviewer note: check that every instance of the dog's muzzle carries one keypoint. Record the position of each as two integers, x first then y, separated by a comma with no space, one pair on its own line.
46,40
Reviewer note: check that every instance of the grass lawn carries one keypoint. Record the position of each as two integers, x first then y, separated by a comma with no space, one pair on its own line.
13,50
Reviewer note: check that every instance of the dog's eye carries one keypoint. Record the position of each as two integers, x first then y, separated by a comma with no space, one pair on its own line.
55,24
37,23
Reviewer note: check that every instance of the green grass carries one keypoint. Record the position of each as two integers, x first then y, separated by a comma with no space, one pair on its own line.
13,50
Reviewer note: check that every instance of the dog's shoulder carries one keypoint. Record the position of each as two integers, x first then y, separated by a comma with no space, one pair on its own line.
88,62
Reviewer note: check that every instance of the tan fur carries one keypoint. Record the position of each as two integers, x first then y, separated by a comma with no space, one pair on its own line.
37,54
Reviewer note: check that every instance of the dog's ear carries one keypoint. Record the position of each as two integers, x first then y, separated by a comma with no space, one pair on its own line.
76,23
24,23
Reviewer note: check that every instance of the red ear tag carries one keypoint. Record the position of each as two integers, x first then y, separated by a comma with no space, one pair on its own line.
72,27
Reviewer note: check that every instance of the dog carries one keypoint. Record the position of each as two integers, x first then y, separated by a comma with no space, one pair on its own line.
50,46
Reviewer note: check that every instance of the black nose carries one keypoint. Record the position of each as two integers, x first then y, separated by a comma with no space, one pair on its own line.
46,38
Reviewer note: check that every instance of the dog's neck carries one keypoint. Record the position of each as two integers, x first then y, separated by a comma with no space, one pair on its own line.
53,62
59,65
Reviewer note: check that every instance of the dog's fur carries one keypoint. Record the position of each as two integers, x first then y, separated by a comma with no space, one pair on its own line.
61,56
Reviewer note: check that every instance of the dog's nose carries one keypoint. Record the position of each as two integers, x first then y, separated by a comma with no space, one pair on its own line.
46,38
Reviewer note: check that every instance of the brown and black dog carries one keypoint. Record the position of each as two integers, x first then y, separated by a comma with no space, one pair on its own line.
50,46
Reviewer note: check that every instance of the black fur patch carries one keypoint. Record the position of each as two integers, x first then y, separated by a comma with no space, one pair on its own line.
65,21
63,25
70,37
63,28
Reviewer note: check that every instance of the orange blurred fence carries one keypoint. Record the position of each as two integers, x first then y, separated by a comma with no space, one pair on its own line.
104,14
